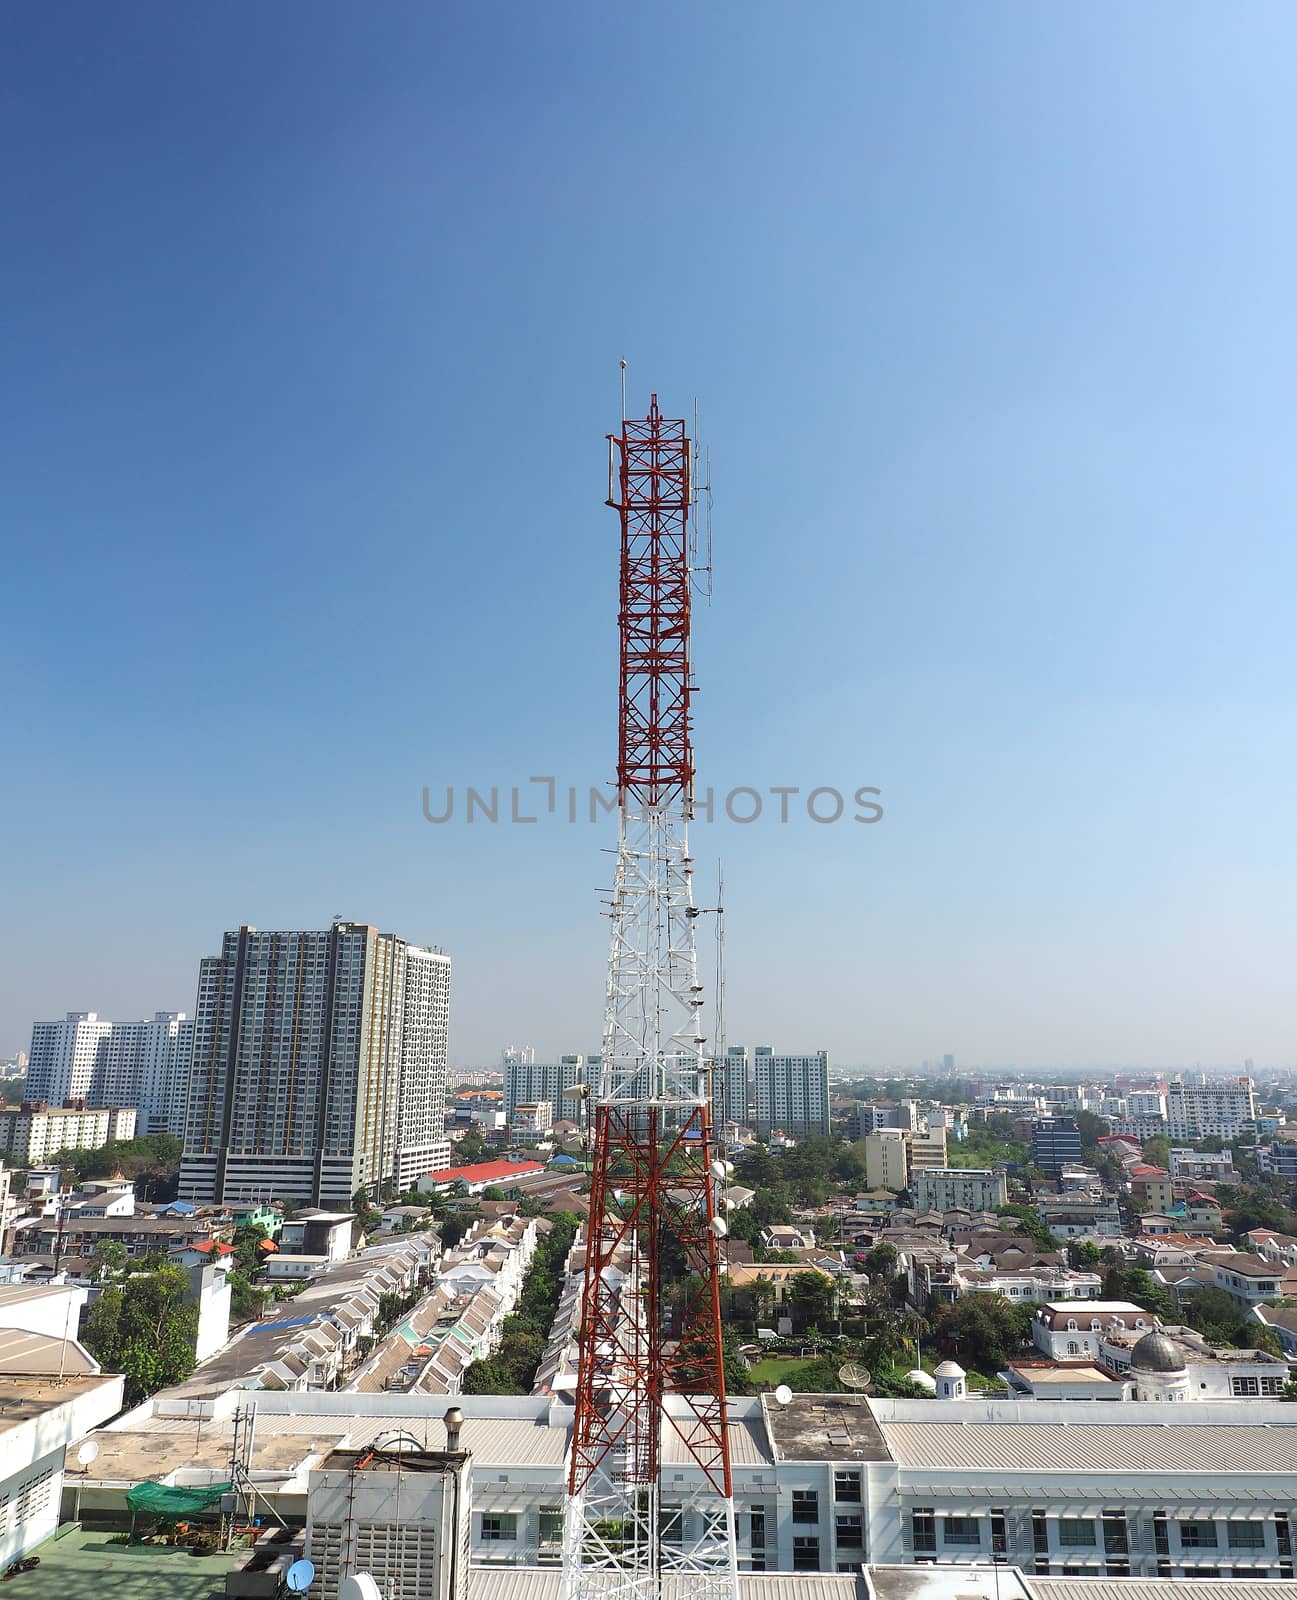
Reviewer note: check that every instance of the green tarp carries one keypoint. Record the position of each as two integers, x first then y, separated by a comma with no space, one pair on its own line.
165,1502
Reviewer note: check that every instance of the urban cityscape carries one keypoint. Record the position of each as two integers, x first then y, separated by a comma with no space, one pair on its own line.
893,1213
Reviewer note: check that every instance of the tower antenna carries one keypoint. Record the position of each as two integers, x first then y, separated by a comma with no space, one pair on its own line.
646,1368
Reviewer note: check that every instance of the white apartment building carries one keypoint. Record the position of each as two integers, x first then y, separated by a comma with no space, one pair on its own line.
141,1064
319,1067
1202,1166
1209,1108
789,1093
527,1082
422,1145
952,1188
1177,1365
887,1163
1062,1488
32,1132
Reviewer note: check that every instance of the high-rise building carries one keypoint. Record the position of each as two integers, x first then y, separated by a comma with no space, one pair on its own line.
1210,1108
64,1055
790,1093
319,1067
140,1064
948,1065
886,1160
732,1087
529,1083
1055,1144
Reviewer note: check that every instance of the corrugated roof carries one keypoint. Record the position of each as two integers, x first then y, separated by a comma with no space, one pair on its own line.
1093,1447
544,1583
1154,1588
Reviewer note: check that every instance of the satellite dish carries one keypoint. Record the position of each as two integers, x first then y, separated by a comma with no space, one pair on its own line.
87,1453
360,1586
300,1576
854,1375
783,1394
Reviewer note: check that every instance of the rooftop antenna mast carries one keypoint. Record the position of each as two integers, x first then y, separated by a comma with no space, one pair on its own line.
656,1170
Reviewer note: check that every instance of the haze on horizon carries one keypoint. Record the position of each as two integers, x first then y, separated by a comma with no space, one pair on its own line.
317,315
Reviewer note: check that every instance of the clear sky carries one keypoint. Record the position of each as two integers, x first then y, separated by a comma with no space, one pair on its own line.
313,314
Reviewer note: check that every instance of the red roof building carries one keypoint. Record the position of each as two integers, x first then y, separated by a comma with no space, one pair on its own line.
482,1175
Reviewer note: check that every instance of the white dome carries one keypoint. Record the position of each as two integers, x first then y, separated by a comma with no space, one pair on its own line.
950,1369
925,1380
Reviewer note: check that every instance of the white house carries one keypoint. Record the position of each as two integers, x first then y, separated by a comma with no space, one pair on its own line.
1065,1331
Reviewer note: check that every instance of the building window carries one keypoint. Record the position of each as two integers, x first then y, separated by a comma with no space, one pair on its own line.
1245,1535
999,1535
551,1526
806,1505
1197,1535
846,1485
757,1518
923,1523
1039,1533
499,1525
1074,1532
1115,1539
961,1530
850,1532
1161,1537
1241,1387
806,1553
1118,1569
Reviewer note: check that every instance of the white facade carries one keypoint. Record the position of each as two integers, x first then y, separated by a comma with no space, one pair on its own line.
529,1081
790,1093
139,1064
422,1145
32,1132
951,1188
1066,1332
1210,1108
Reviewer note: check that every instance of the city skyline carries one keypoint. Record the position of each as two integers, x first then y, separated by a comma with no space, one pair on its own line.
988,321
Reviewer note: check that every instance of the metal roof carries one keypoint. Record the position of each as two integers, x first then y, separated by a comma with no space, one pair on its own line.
1093,1447
544,1583
1155,1588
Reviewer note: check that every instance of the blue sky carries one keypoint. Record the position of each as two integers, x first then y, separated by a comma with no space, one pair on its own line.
313,320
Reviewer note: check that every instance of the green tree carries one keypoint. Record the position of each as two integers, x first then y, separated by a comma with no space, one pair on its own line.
1029,1223
145,1329
984,1331
811,1300
109,1258
1157,1152
248,1254
882,1261
470,1148
1136,1284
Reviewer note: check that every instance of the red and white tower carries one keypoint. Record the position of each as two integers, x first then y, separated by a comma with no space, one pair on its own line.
650,1378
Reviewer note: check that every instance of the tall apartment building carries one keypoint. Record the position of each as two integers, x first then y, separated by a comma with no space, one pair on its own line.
732,1087
927,1148
529,1083
790,1092
886,1160
1209,1108
63,1057
319,1066
1055,1144
140,1064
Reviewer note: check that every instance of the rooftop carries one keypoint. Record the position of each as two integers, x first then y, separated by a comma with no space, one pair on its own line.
23,1397
826,1427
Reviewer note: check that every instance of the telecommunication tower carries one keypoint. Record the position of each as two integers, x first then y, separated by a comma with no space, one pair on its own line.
650,1376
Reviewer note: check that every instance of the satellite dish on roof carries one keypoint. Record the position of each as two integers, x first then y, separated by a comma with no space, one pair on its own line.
87,1453
360,1586
300,1576
783,1394
854,1375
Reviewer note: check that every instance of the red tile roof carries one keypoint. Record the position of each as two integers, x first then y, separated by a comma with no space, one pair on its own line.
488,1172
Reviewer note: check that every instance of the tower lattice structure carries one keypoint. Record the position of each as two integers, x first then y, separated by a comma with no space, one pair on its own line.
650,1379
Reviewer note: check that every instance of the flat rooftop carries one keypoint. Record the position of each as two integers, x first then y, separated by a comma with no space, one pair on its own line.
87,1564
22,1398
825,1427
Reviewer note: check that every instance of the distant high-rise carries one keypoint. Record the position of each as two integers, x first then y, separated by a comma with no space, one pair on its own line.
790,1093
319,1066
528,1083
948,1065
732,1087
518,1055
140,1064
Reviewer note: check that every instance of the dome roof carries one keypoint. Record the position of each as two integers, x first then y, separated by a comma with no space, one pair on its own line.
952,1369
1156,1353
